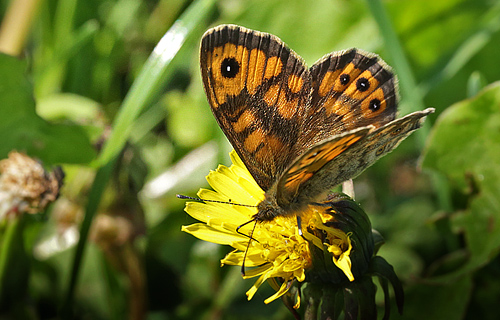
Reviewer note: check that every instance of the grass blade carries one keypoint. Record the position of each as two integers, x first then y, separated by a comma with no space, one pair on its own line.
153,76
143,90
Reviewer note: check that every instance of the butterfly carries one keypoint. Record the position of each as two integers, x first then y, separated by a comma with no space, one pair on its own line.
300,131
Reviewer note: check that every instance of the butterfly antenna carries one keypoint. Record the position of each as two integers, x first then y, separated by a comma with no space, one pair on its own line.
181,196
248,246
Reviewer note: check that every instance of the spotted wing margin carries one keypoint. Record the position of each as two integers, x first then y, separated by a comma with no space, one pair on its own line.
348,164
257,89
351,89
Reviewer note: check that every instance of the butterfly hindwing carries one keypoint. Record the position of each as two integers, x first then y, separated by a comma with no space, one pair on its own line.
351,89
354,159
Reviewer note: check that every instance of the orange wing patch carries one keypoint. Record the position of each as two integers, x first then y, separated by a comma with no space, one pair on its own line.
336,106
273,67
244,121
254,139
276,98
256,65
330,81
316,159
295,83
271,95
272,144
287,108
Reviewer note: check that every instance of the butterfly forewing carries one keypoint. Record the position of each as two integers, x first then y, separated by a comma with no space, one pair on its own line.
257,89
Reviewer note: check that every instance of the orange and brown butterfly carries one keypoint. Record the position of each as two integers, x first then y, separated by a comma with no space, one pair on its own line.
300,131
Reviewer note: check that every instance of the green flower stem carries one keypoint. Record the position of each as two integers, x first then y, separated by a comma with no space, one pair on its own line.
14,263
312,298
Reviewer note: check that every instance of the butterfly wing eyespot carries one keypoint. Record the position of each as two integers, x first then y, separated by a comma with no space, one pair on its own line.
375,105
362,84
229,67
344,79
379,151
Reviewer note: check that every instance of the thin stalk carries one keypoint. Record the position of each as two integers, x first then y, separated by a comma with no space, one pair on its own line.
14,263
16,25
100,182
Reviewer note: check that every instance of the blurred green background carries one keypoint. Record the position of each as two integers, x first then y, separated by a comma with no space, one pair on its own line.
132,127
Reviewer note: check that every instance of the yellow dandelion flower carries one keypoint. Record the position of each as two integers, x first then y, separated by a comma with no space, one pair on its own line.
279,251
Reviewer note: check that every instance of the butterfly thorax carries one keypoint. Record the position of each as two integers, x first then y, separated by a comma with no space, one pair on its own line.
268,209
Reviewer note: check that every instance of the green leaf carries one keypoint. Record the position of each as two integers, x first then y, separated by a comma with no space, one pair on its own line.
382,269
23,130
465,147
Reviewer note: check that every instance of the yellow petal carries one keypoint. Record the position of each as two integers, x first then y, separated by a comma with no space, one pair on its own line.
235,258
258,271
344,264
284,289
205,211
297,303
206,233
229,187
250,293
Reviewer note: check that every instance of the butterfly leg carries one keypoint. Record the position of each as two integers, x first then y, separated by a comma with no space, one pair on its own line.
299,225
244,234
348,188
249,241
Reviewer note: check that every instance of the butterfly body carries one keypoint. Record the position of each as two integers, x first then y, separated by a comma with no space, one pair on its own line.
300,131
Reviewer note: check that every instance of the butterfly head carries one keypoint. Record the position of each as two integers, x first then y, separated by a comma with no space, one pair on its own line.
268,209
